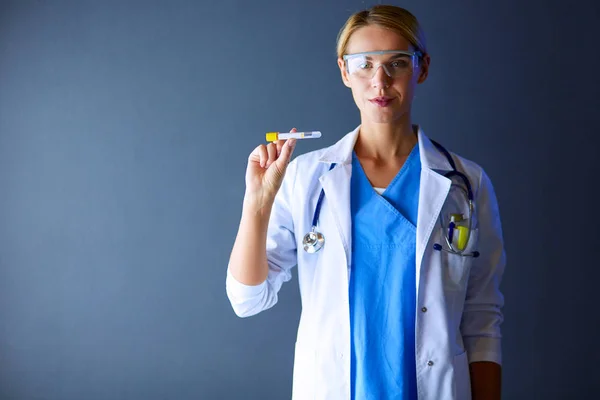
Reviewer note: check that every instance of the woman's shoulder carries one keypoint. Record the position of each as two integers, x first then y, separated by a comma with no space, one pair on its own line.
308,167
318,160
310,159
467,166
474,171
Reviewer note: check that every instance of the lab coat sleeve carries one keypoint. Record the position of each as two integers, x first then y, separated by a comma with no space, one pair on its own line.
482,315
249,300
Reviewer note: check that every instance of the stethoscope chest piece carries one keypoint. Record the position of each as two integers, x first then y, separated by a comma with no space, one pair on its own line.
313,241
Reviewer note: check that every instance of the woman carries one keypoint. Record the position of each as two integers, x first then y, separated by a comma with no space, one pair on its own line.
402,301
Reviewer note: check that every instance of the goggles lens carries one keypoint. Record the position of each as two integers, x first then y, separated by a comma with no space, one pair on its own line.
394,63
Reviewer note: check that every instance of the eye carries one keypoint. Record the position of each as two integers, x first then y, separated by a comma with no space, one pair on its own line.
399,64
364,65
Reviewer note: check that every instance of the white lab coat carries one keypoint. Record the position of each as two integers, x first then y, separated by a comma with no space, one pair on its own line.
459,303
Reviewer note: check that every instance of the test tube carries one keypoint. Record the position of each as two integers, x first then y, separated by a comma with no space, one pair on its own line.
273,136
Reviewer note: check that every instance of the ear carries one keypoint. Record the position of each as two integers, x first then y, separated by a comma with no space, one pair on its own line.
424,68
343,72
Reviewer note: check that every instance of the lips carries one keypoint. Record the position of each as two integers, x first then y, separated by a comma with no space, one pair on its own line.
382,101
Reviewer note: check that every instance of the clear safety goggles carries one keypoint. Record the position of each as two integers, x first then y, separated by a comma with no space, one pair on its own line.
396,63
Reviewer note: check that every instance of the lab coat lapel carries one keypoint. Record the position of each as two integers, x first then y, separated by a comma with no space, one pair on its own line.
434,189
336,184
433,192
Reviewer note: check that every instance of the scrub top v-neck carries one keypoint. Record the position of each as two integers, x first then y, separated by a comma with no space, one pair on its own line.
382,283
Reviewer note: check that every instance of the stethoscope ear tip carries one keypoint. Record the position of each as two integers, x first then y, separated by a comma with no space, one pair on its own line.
437,247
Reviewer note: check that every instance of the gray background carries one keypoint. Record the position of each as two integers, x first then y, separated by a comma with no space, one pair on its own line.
124,133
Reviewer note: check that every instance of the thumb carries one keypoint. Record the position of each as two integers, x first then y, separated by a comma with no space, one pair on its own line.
286,153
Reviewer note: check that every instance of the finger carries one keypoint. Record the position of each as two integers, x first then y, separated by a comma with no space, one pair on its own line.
286,152
272,151
259,155
279,144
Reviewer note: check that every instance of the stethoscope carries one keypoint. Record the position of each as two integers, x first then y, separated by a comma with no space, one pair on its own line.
453,227
314,240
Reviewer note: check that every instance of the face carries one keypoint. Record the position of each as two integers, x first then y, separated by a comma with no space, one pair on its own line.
382,98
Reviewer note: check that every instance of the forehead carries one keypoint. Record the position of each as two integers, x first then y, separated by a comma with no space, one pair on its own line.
375,38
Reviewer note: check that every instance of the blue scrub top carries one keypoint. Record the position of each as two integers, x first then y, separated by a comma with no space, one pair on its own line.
383,283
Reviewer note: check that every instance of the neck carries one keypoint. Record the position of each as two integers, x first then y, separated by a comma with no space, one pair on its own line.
385,142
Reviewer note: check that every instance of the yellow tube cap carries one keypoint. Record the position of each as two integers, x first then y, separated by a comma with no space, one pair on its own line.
271,136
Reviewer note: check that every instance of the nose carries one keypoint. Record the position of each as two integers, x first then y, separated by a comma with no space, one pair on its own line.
381,77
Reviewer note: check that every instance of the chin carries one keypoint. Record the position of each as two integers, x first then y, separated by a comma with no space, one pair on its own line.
384,116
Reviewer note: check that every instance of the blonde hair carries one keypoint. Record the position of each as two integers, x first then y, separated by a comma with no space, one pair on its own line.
394,18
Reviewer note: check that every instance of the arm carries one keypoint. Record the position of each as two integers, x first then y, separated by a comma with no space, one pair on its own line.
486,380
248,260
265,249
482,315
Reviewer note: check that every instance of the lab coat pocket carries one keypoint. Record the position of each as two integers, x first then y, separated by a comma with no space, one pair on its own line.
458,267
462,379
304,372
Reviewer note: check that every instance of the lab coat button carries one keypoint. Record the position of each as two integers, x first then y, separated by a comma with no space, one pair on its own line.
424,309
430,363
